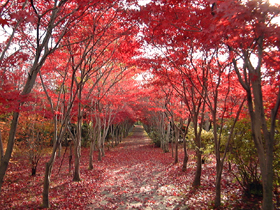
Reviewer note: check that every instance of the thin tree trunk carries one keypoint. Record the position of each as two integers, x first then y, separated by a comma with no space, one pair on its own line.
59,150
166,149
102,147
112,135
176,160
186,157
172,142
99,141
77,142
48,171
197,178
1,148
92,146
90,167
219,161
49,164
92,139
219,167
70,156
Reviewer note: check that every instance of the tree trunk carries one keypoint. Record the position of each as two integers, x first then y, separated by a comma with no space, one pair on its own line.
197,178
267,182
34,168
77,176
5,160
99,147
77,142
92,139
90,167
176,160
59,150
184,133
1,148
166,142
262,135
70,156
186,157
112,135
218,189
172,143
116,135
265,150
48,171
219,163
102,148
46,202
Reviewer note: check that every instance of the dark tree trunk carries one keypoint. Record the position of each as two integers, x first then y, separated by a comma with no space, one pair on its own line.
5,160
90,166
70,157
197,178
176,160
186,157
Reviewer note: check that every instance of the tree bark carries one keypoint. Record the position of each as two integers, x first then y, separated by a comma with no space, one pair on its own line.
5,160
262,136
77,175
172,143
70,156
176,159
186,157
77,142
48,171
99,141
90,167
1,148
197,177
218,188
166,141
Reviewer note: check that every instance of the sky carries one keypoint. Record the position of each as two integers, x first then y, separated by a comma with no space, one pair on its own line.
273,2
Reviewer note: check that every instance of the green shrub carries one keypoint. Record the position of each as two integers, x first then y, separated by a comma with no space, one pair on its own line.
243,154
207,141
155,137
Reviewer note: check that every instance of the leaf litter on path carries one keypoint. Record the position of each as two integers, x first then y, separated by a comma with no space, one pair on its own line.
133,175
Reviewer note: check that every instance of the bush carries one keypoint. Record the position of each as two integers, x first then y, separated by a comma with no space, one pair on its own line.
33,136
243,154
155,137
207,141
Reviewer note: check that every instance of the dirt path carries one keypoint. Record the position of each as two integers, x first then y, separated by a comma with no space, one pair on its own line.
135,177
